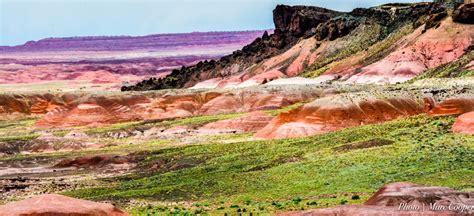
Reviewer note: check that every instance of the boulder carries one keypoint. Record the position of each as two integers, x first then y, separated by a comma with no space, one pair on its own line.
58,205
405,192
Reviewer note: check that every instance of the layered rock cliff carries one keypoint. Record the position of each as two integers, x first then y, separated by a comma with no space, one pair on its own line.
361,46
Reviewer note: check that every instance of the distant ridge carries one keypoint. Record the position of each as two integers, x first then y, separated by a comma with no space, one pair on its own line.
154,41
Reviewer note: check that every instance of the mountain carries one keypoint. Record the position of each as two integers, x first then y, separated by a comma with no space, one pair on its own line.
385,44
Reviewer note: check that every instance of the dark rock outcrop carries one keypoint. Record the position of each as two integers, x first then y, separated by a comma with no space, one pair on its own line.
464,14
297,20
336,28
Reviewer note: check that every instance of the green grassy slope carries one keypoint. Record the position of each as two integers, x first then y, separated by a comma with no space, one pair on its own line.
281,175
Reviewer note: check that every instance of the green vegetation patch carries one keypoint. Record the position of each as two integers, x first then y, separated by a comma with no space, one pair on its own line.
193,121
361,38
275,112
455,68
267,176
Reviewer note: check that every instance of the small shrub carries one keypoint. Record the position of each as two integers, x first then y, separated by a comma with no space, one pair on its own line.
296,200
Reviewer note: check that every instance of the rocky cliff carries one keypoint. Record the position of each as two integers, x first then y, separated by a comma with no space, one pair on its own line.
385,44
291,24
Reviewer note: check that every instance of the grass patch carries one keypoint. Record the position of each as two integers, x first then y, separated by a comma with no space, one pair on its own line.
452,69
374,52
19,138
272,173
364,36
193,121
284,109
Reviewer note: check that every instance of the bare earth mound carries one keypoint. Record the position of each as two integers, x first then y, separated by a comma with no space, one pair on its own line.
58,205
337,112
464,124
249,123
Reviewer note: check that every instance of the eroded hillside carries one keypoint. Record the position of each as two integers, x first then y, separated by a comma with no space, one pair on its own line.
385,44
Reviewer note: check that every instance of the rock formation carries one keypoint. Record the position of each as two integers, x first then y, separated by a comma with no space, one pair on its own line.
363,46
405,199
291,23
92,111
418,52
83,109
53,204
453,106
464,14
337,112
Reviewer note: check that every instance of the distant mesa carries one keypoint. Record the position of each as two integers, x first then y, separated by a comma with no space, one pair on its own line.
130,43
109,61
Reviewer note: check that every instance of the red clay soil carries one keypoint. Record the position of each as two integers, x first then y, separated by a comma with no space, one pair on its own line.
418,52
249,123
93,161
250,101
173,106
58,205
453,106
67,110
393,199
334,113
464,124
34,103
288,64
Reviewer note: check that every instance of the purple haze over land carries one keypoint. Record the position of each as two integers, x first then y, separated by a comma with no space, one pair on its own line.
113,60
149,42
